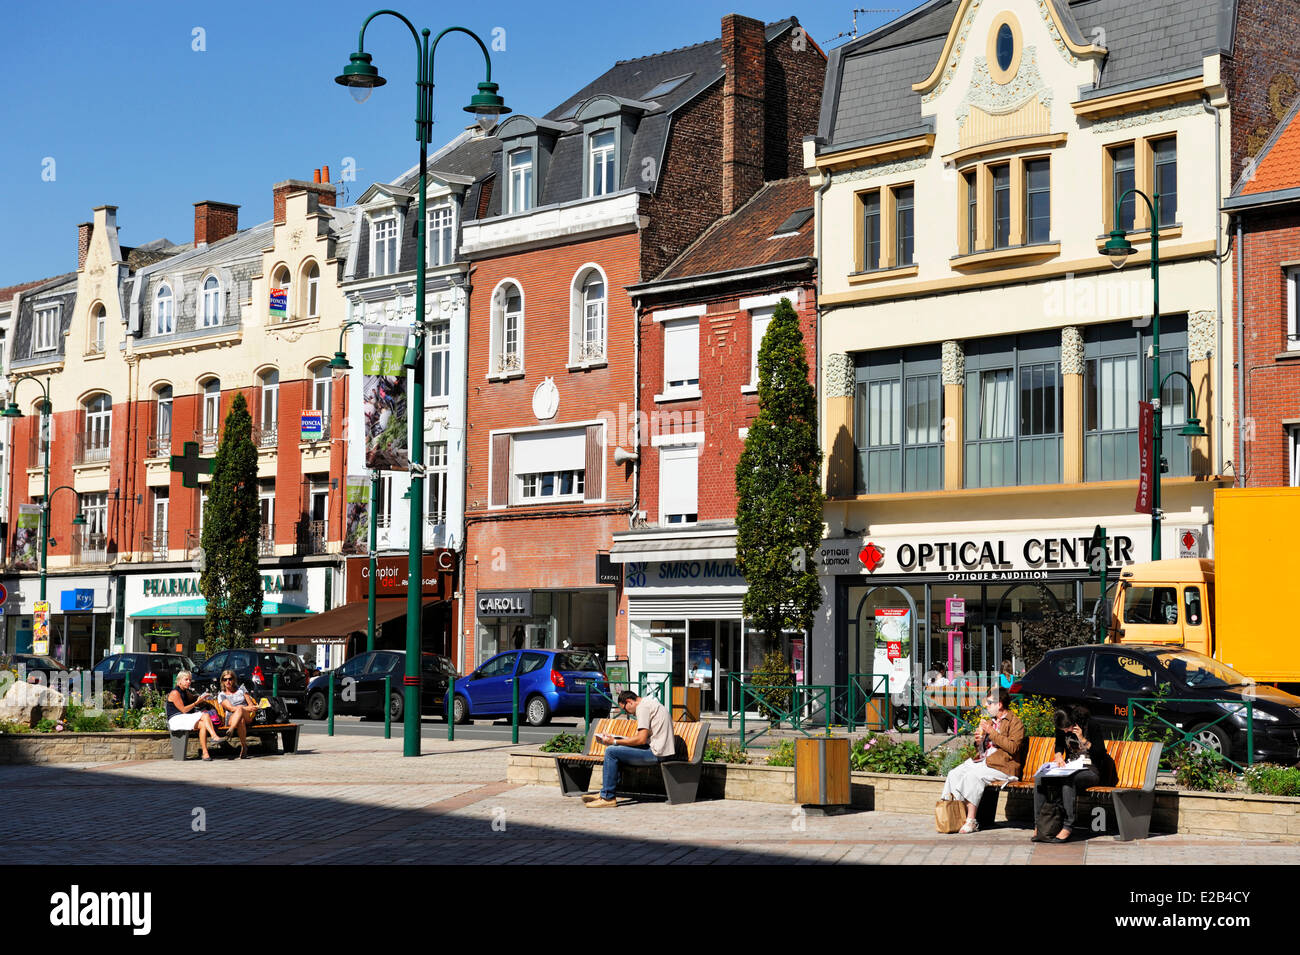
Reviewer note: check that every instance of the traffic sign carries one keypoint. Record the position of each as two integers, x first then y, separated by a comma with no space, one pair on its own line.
4,594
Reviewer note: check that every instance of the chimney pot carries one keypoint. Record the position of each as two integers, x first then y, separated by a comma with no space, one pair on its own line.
325,173
316,176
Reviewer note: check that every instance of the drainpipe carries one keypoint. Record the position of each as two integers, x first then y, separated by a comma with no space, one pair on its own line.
462,557
636,405
1239,466
1218,278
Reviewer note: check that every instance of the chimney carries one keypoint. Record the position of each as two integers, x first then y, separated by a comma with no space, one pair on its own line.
315,177
324,192
744,58
84,232
213,221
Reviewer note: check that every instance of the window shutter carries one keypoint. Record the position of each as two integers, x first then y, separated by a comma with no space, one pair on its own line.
500,479
679,480
595,478
681,351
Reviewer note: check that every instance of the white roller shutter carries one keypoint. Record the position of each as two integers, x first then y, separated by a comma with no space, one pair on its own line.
679,480
538,451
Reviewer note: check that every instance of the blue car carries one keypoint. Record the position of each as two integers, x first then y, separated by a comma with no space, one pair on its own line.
551,683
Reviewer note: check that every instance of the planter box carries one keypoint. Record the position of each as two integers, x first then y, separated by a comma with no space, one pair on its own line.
29,748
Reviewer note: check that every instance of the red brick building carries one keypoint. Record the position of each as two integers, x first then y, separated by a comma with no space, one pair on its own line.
1265,208
602,193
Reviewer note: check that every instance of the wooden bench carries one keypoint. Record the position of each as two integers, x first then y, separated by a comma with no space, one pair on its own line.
269,735
1136,764
942,701
681,774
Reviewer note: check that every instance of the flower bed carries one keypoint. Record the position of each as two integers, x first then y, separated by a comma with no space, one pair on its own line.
73,747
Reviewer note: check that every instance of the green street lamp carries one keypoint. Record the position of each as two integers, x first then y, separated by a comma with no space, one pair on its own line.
45,408
360,77
1118,249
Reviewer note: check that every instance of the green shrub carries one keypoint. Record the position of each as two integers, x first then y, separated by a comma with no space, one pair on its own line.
1270,780
783,754
886,753
955,758
7,727
724,751
564,743
44,726
1201,770
92,724
1038,713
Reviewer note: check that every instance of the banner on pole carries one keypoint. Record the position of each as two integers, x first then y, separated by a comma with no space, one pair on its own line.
356,536
1146,455
384,397
27,544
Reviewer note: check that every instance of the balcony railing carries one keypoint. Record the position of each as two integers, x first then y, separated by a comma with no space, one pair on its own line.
266,541
311,537
208,440
154,546
160,445
265,437
36,446
92,447
90,548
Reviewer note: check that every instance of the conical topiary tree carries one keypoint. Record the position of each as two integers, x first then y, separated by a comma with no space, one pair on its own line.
778,486
230,581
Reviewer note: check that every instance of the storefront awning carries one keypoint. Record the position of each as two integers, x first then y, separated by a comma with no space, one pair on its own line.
713,546
199,608
341,621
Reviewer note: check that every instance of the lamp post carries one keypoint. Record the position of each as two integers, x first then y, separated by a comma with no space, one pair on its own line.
1119,249
361,77
13,411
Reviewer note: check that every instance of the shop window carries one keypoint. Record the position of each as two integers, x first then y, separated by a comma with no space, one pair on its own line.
898,406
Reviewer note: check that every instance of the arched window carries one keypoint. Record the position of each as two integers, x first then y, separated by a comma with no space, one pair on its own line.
313,291
281,294
161,442
98,329
270,412
99,429
211,415
164,315
588,318
507,329
321,391
211,302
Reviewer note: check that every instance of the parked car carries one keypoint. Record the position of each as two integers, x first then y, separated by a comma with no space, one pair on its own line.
366,696
257,670
121,668
29,663
1106,677
551,683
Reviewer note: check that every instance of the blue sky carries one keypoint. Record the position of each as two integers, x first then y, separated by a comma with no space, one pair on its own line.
119,108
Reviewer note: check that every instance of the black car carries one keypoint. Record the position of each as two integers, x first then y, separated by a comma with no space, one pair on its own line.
29,663
1105,678
258,671
365,696
121,667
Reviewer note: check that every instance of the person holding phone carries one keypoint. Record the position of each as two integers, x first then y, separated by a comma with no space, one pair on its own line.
241,707
1076,736
648,746
181,705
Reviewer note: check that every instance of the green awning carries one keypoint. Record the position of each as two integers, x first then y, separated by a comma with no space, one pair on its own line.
199,608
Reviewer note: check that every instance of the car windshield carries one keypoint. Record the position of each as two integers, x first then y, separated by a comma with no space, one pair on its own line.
574,660
279,662
1196,670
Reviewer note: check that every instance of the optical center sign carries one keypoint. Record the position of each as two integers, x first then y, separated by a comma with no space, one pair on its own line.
1007,557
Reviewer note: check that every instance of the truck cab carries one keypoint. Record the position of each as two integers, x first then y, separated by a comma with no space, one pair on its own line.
1168,602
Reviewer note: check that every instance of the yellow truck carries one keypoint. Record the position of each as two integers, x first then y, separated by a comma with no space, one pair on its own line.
1237,608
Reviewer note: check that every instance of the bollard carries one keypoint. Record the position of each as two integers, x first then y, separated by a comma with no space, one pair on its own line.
514,711
330,728
451,709
275,685
587,716
388,707
126,695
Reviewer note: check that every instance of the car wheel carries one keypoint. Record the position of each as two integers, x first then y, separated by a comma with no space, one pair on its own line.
902,719
317,706
460,710
395,707
538,711
136,700
1211,737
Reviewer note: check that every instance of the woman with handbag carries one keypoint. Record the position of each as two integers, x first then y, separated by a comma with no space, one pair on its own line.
1076,735
181,703
999,745
240,707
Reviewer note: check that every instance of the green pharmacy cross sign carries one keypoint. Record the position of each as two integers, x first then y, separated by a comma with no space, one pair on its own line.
190,464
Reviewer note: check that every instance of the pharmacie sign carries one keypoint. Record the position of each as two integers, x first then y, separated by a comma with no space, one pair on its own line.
189,586
1006,557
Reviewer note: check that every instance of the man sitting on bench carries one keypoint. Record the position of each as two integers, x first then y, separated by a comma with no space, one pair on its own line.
648,746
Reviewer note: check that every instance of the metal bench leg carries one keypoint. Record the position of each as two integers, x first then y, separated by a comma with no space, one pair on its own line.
1133,813
574,777
179,741
681,781
986,811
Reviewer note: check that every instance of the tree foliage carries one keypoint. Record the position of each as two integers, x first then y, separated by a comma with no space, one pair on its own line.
778,486
1056,628
231,582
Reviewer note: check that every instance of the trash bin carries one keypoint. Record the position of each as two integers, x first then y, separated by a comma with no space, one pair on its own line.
821,773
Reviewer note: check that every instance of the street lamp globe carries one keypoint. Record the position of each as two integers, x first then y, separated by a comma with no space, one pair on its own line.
487,106
1193,429
1118,248
12,411
360,77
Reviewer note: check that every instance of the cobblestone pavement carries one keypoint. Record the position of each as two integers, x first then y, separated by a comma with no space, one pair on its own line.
349,800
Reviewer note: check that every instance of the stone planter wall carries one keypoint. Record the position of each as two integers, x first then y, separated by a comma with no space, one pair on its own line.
23,748
1275,818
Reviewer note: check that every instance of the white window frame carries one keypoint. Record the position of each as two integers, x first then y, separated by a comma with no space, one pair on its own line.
164,319
393,219
47,328
602,162
322,388
438,355
164,402
99,318
757,316
287,286
312,285
1292,329
440,233
384,501
521,482
588,319
678,451
210,422
519,180
270,401
500,362
677,331
1293,453
266,507
435,483
211,299
99,423
159,529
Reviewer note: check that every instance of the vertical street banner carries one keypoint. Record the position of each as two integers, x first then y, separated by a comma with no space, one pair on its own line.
383,396
356,534
1146,455
27,545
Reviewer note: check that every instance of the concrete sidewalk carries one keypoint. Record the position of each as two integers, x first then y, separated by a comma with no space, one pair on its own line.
351,800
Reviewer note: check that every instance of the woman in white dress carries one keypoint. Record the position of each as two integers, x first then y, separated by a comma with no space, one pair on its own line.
999,744
182,703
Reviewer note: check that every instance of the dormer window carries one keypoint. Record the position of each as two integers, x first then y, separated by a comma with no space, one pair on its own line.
521,180
383,246
47,328
602,163
164,320
442,233
211,302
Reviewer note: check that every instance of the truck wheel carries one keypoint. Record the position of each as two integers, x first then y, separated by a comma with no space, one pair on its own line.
1211,737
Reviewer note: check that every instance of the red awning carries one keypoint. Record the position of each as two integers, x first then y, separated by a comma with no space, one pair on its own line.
341,621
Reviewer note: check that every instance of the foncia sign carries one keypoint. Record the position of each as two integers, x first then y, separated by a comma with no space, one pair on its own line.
1007,557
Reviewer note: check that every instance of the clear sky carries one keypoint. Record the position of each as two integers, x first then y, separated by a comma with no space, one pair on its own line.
153,105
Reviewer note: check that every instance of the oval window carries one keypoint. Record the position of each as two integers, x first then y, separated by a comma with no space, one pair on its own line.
1006,47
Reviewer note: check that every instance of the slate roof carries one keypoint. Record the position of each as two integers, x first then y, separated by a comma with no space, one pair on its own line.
60,291
8,292
1274,174
869,97
744,239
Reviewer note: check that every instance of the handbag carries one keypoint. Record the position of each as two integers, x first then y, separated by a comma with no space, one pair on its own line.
1051,820
949,815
